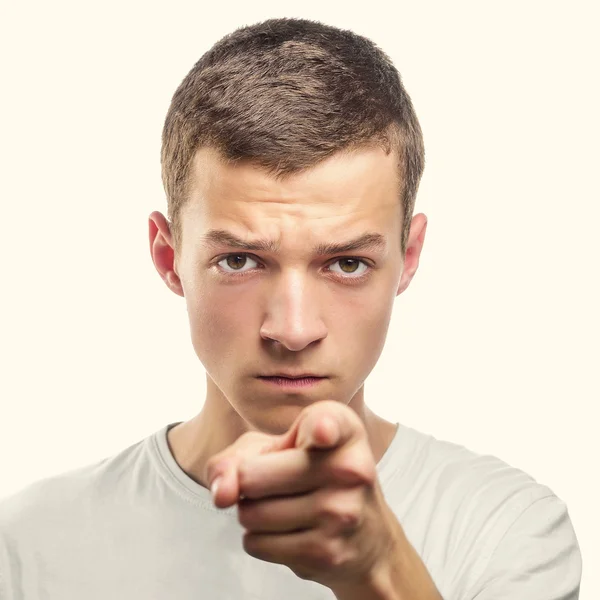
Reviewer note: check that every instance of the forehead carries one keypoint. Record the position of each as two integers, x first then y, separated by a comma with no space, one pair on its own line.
343,197
360,174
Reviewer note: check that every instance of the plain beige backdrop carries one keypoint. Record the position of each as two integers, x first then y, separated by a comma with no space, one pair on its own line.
494,345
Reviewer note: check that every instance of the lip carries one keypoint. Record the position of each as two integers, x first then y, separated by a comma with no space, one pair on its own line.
293,375
282,382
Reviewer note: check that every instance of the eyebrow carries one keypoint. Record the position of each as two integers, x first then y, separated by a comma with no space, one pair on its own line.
221,237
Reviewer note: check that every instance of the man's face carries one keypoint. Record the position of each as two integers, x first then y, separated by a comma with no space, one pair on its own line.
298,307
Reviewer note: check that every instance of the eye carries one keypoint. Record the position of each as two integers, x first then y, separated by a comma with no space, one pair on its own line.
235,262
351,267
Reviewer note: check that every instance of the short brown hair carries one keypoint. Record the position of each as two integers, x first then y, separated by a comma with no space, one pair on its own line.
286,94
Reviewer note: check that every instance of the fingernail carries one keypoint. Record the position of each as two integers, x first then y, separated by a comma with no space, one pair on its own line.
215,486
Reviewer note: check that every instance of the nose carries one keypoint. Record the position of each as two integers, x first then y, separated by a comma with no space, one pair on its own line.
293,312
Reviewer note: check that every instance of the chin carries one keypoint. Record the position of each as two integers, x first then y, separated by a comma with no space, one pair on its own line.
275,420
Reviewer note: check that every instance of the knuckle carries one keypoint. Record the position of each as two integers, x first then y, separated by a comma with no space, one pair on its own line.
332,554
345,514
303,573
325,555
348,519
320,553
250,547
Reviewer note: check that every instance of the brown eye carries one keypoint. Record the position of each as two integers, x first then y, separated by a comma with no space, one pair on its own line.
236,262
350,266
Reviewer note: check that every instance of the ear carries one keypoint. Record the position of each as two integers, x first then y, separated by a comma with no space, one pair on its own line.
416,238
163,252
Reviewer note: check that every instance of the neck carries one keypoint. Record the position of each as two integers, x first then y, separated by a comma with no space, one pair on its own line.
219,424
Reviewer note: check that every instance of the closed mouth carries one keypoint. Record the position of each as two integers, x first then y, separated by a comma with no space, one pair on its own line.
292,377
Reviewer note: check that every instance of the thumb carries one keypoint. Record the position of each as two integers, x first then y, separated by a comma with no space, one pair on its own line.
221,470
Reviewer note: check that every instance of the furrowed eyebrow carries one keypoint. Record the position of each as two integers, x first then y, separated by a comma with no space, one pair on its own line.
367,241
220,237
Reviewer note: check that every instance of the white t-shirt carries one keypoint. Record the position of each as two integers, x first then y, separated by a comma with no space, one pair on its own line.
135,527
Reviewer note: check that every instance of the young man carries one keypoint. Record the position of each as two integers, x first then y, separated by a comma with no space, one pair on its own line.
291,161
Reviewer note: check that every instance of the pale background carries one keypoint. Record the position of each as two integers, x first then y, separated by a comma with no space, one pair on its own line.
493,346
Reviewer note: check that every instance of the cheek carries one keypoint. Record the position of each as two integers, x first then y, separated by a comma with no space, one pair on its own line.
364,325
218,319
375,328
372,324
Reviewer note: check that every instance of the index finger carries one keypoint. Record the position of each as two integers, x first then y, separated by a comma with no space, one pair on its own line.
328,425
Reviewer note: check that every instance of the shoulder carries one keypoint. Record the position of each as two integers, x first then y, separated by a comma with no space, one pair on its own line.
486,492
454,476
58,497
501,532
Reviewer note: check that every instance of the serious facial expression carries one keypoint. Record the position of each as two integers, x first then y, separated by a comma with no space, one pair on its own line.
294,276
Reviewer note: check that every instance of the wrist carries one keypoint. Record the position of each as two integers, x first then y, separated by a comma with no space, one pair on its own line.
381,582
377,586
401,575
